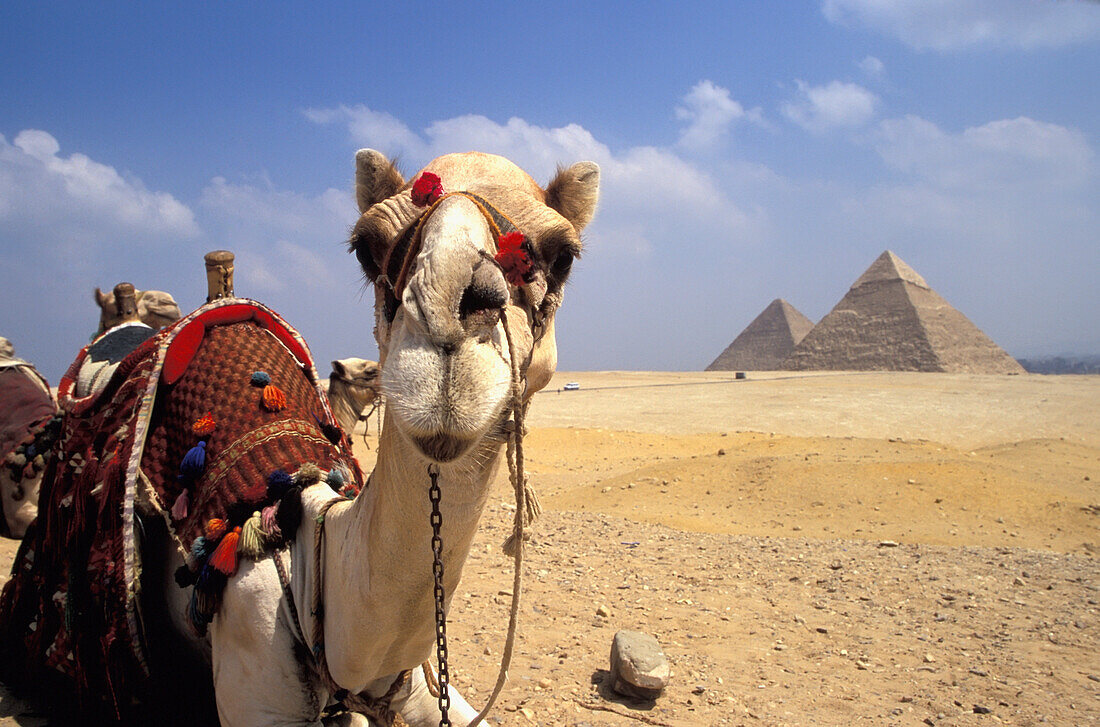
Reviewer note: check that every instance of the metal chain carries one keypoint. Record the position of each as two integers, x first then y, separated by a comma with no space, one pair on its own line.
434,495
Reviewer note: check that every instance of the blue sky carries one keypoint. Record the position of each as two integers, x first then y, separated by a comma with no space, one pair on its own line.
749,150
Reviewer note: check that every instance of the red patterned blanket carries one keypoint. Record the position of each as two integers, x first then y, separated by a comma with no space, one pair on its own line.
217,422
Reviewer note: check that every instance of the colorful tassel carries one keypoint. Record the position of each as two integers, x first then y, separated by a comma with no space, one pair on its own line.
194,462
308,474
210,580
195,615
224,559
261,378
201,549
204,426
267,522
274,398
289,514
251,544
182,506
335,479
184,577
278,482
332,432
215,528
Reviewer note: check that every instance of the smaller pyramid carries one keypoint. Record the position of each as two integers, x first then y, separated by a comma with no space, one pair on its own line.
891,320
766,341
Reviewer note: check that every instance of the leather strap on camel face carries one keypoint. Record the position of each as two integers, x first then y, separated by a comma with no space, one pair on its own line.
400,259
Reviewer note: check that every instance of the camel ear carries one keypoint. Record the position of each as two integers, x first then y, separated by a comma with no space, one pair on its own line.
574,192
101,298
376,178
338,369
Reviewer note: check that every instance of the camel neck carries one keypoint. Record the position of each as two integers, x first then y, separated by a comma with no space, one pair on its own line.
378,572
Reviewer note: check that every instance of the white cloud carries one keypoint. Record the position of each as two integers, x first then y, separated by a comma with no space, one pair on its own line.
833,106
1019,152
76,195
947,25
280,236
872,67
710,112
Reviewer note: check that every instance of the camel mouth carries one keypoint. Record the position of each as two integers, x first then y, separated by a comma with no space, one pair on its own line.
442,447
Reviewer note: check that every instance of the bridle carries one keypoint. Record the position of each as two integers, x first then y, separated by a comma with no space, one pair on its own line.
396,268
399,261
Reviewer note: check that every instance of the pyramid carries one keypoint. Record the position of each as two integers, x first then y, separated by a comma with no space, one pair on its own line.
766,341
891,320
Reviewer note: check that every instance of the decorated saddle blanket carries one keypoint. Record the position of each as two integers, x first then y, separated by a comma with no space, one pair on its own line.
216,424
24,403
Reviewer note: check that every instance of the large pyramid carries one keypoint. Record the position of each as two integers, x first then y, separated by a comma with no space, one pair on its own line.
766,341
890,320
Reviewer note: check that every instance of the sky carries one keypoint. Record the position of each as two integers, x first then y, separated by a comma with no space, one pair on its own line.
748,151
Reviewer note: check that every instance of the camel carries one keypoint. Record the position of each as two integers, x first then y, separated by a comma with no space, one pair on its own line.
156,309
466,287
353,386
446,378
28,407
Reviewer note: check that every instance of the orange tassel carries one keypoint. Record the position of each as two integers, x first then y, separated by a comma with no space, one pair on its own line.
215,528
204,425
224,559
274,398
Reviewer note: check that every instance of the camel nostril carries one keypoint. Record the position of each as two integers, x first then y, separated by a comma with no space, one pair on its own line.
478,298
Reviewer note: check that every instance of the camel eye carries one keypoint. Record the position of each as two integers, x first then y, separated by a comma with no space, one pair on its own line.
562,264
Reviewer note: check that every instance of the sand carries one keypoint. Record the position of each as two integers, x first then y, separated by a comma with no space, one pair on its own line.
809,549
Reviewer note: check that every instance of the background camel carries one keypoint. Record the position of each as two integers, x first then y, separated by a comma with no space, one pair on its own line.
156,309
27,406
454,319
353,385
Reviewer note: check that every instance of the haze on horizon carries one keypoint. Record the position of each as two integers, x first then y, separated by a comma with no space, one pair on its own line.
748,152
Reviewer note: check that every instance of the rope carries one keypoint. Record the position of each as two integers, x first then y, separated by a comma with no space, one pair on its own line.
515,470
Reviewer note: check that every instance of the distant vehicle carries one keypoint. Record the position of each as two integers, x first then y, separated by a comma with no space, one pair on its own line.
572,386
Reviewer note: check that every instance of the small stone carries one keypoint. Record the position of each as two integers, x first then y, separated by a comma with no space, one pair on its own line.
721,453
545,683
888,544
699,689
979,709
929,659
603,611
639,668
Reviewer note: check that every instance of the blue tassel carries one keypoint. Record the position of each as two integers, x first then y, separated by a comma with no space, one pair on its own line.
261,378
335,479
201,549
195,615
194,462
278,482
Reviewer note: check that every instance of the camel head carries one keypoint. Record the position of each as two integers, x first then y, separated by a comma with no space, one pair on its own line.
155,308
440,294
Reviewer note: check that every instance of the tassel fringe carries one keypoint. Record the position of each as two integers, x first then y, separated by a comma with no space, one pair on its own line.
252,543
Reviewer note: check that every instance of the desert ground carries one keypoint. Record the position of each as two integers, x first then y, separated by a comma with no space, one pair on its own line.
808,549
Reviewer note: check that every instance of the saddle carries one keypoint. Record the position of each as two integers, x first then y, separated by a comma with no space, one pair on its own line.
232,385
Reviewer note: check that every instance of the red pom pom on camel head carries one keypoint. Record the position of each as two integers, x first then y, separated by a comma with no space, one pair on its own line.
512,257
427,189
